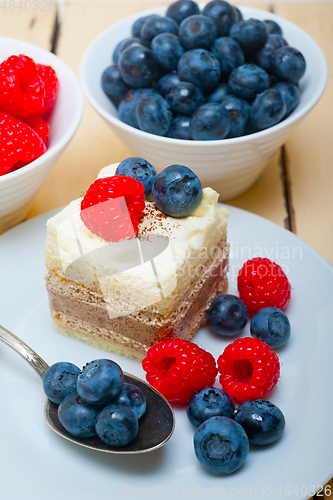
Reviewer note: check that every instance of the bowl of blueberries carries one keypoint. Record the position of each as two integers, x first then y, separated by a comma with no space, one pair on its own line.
212,86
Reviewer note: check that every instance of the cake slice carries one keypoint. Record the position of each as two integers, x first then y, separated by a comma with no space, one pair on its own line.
126,296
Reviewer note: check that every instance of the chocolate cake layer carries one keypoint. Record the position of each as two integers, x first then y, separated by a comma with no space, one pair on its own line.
81,313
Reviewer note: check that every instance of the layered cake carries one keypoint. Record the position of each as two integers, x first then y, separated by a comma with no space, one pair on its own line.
125,296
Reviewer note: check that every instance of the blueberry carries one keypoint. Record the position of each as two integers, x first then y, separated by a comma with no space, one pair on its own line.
181,9
124,44
138,66
168,50
117,425
166,83
240,15
273,27
180,128
221,445
229,55
248,80
60,380
263,56
154,115
139,169
268,109
227,315
200,67
219,93
210,122
291,95
77,416
288,64
207,403
156,25
251,34
271,326
185,98
239,110
262,421
115,54
197,32
113,84
222,14
177,191
131,397
100,381
136,28
128,42
127,107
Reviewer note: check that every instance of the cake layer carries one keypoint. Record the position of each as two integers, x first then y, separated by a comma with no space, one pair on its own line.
74,253
82,314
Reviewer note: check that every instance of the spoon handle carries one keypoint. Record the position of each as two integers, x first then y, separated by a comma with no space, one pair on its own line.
37,363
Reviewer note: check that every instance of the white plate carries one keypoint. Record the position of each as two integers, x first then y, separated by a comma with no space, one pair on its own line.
36,464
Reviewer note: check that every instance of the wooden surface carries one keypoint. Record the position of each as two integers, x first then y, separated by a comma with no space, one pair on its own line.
295,190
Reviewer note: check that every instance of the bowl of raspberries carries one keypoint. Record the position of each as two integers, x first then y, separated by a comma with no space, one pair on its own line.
41,105
212,86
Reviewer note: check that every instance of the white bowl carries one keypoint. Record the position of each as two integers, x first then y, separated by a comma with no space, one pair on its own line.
230,166
18,188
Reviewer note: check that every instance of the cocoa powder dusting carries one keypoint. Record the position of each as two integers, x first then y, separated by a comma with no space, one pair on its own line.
153,220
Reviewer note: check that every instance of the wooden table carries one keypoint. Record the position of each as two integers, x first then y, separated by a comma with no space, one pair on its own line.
295,190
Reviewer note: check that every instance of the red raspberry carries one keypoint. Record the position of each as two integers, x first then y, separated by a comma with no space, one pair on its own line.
113,206
40,126
262,283
178,368
19,144
22,91
51,85
249,369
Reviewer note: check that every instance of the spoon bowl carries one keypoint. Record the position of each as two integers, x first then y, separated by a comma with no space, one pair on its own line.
155,426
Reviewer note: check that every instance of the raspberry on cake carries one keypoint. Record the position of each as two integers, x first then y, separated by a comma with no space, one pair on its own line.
112,207
126,296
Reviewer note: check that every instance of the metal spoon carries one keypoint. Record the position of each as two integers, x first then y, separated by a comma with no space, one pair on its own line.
155,426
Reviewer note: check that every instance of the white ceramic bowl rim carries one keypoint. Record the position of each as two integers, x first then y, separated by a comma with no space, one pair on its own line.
59,145
296,115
